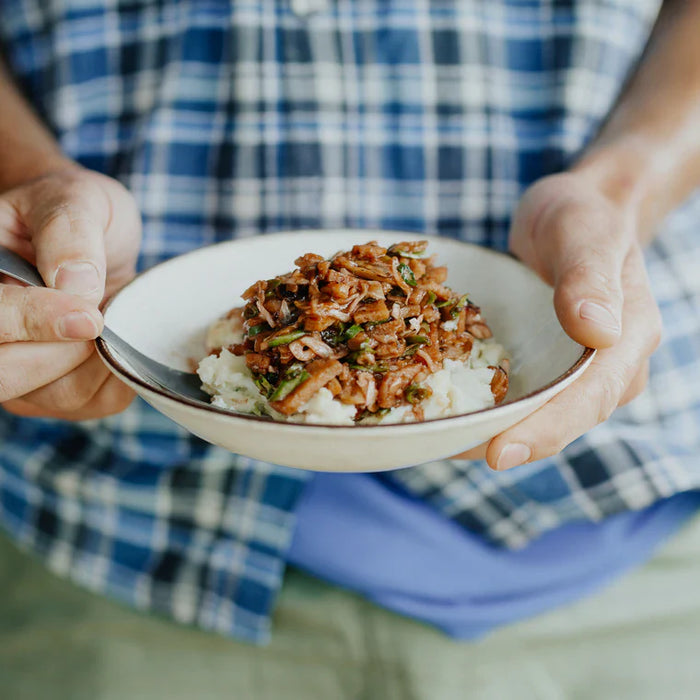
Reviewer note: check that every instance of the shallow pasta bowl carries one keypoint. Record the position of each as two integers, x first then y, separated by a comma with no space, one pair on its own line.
166,311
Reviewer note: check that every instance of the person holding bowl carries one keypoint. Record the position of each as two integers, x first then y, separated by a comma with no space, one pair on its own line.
566,133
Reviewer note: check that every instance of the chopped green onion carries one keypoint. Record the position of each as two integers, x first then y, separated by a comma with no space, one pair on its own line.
352,332
431,298
457,309
415,393
407,275
372,324
287,386
356,355
440,304
407,254
375,369
417,340
263,385
366,413
259,410
393,250
294,369
285,339
254,330
271,287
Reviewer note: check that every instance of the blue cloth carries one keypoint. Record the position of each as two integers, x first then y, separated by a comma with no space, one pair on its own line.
236,118
357,533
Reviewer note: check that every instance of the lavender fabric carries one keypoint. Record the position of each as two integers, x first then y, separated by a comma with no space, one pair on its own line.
358,532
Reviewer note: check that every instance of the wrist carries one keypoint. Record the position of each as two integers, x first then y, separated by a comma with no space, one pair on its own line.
630,175
647,175
28,149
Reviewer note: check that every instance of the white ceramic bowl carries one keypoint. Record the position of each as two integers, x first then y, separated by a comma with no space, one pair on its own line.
165,313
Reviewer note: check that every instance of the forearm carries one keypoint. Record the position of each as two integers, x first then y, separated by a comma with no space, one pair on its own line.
647,155
27,148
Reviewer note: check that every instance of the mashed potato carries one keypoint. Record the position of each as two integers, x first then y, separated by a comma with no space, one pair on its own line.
459,387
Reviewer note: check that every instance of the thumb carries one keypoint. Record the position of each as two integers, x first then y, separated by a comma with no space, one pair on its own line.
66,220
580,248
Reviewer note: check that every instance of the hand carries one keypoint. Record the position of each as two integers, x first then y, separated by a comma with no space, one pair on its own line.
82,231
585,245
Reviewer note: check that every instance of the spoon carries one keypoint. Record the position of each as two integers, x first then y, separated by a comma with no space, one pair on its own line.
175,382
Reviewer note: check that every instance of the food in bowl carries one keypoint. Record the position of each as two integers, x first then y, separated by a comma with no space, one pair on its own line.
370,335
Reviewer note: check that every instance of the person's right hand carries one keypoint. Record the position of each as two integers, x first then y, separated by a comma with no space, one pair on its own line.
82,230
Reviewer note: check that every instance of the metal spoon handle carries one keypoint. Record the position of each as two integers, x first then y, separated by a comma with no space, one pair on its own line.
16,266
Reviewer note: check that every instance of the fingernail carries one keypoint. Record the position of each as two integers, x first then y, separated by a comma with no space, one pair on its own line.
79,277
590,311
512,455
78,325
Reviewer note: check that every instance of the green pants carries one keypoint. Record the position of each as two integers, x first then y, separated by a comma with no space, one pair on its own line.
637,639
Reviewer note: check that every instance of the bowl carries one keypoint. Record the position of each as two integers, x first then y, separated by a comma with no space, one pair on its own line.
165,313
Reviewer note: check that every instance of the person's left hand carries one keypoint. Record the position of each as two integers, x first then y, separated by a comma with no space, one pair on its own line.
585,245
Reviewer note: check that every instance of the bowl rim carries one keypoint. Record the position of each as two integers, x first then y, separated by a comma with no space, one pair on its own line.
112,360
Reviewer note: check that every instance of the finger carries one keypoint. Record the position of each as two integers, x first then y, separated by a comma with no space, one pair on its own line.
635,388
594,396
28,313
478,452
25,367
72,391
66,218
113,396
637,385
579,245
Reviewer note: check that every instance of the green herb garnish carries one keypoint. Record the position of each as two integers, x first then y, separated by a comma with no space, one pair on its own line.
407,275
372,324
254,330
352,331
417,340
287,386
440,304
285,339
407,254
366,413
431,298
294,369
375,369
263,385
415,393
459,306
271,288
416,255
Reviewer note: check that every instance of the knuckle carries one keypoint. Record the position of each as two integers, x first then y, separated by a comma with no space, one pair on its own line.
71,395
592,273
13,301
610,391
587,218
8,386
117,397
22,316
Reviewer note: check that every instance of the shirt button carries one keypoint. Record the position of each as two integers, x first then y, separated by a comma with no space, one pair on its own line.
304,8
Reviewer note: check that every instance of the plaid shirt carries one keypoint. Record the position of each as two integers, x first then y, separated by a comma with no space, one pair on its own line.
239,118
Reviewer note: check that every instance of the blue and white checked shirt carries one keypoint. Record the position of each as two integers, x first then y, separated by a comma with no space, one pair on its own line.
236,118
